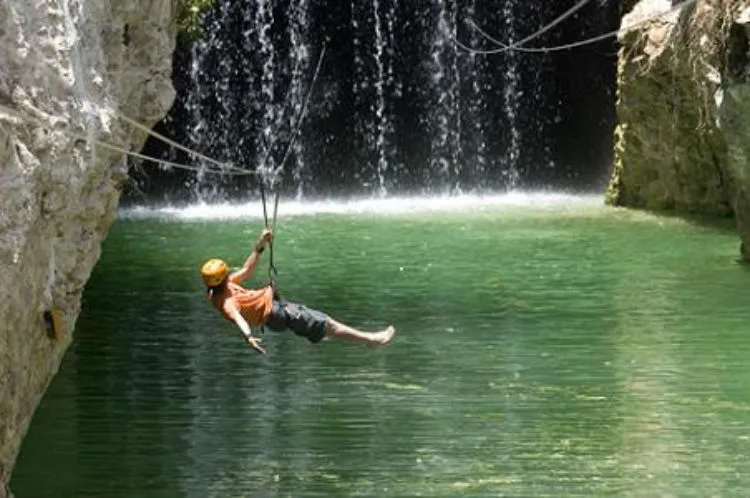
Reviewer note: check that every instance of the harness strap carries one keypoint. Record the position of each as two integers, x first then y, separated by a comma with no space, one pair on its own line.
271,266
276,297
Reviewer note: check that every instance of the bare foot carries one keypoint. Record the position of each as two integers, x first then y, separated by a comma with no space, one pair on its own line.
384,337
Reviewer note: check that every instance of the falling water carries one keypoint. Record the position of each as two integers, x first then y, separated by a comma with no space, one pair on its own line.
446,134
393,83
198,127
455,102
264,155
250,76
390,20
300,61
381,118
539,93
476,107
372,42
245,98
360,88
511,96
210,76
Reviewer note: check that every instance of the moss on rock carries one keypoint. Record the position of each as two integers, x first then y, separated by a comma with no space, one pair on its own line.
682,142
670,153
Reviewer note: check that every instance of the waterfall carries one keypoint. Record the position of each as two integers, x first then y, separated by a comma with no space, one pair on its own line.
445,123
372,34
244,98
199,123
455,102
300,61
208,98
511,95
381,118
390,20
398,105
360,89
264,103
475,130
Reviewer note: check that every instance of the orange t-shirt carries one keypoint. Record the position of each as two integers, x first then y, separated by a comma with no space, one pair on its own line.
254,304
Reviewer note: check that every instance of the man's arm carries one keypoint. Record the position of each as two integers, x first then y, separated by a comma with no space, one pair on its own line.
235,314
249,267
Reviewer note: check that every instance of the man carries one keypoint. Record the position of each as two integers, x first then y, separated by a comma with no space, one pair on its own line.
256,307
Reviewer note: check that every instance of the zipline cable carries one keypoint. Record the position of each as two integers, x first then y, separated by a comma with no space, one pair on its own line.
549,26
116,113
536,34
171,142
224,168
18,119
505,47
144,157
235,171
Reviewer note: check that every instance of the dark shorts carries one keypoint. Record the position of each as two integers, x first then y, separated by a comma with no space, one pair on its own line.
300,319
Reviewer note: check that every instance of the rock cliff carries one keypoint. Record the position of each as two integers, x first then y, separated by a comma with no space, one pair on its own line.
67,68
683,96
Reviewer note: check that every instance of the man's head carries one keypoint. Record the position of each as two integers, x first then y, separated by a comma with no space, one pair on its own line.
214,271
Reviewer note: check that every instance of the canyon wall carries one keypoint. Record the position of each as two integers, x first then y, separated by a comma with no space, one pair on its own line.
68,71
683,96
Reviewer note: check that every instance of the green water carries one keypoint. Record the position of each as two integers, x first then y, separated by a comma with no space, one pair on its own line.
572,350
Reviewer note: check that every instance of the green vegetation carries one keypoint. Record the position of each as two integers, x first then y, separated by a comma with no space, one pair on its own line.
188,17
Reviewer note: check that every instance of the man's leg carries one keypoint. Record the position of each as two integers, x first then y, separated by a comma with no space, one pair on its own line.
315,325
338,330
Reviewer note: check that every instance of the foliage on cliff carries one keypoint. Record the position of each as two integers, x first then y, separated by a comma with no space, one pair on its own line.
188,17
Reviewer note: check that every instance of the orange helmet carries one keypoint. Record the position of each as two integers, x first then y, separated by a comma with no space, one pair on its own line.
214,271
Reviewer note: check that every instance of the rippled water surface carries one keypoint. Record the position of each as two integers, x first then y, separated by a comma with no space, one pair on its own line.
549,347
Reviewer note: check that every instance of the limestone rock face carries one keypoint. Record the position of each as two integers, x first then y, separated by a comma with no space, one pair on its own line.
681,138
68,69
734,111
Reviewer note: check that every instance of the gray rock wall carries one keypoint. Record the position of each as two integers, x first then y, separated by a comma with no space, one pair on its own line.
67,68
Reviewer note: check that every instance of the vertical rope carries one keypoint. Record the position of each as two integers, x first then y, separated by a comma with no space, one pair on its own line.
272,271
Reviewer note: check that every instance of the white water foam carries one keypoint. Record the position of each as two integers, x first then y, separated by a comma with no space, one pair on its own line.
388,206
